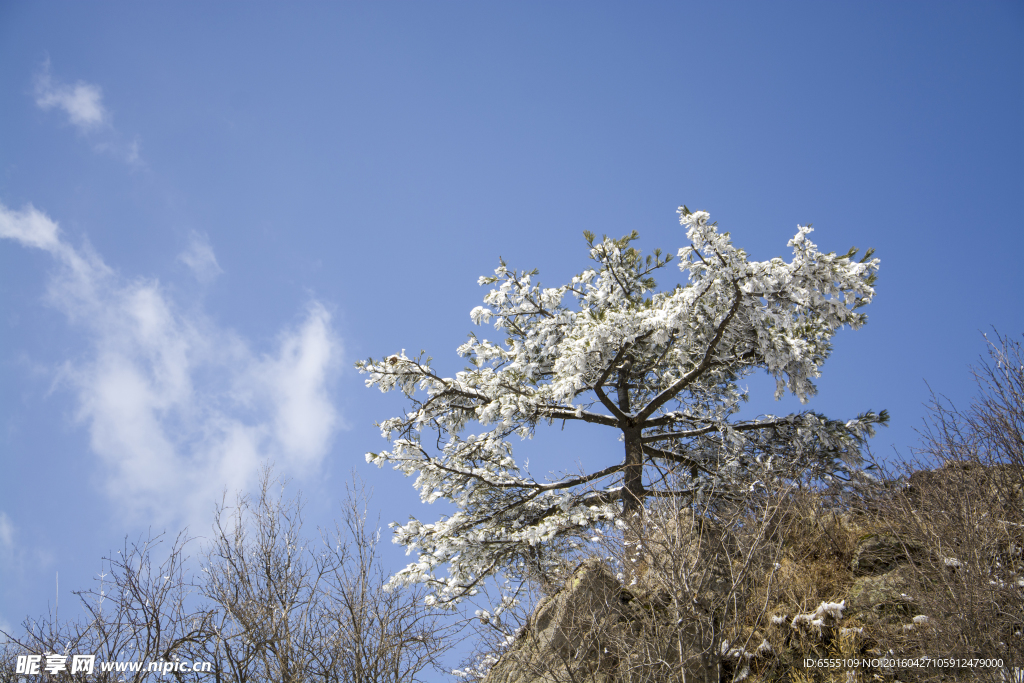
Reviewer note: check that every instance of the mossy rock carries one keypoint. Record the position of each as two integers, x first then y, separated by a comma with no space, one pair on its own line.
881,553
879,597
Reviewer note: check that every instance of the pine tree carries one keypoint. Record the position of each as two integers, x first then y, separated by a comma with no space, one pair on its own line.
659,367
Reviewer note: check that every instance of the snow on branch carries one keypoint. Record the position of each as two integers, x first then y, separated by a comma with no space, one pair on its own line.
610,349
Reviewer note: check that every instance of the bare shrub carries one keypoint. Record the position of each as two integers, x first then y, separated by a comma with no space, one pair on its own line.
292,610
959,515
269,604
141,610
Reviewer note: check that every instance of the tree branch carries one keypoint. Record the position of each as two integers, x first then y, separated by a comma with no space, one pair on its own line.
674,457
679,435
608,403
533,486
739,427
562,413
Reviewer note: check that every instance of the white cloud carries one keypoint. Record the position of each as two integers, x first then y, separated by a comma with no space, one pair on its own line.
303,414
30,227
199,257
82,102
178,408
6,534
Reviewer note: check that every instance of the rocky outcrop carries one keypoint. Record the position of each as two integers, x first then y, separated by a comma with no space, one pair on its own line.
596,630
711,602
570,630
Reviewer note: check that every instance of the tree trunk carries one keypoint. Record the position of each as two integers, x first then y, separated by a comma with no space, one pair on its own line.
633,484
633,506
633,496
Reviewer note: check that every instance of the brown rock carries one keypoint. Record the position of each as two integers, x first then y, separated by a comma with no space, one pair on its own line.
880,596
569,630
881,553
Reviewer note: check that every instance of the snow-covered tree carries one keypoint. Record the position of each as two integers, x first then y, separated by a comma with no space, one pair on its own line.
660,368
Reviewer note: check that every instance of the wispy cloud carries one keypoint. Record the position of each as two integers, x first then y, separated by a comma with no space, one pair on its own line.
6,534
82,104
199,257
178,408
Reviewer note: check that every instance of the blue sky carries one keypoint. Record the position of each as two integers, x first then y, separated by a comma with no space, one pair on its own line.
210,212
